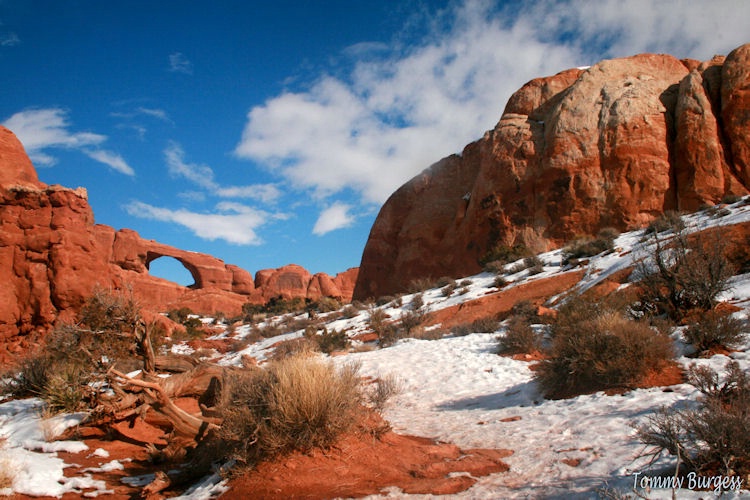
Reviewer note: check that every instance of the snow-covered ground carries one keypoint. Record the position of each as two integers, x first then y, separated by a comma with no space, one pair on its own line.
458,390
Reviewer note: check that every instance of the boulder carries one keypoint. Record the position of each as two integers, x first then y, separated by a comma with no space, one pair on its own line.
613,145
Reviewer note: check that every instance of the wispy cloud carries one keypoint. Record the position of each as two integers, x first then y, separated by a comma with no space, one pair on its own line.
178,63
41,130
9,40
203,176
232,222
111,159
133,119
336,216
390,114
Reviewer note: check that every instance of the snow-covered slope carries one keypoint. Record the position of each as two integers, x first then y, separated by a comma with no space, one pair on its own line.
457,389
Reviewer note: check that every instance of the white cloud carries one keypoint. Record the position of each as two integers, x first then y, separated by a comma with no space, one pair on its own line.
394,113
178,63
48,128
336,216
159,114
113,160
233,222
203,176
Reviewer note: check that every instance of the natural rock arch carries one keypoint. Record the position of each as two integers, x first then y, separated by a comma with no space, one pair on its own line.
151,257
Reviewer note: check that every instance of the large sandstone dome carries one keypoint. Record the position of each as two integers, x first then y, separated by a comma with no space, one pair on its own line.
615,144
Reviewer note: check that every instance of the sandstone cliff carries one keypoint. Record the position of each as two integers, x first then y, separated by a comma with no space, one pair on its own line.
52,255
615,144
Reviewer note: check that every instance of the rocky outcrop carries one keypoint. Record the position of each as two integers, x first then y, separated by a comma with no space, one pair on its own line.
615,144
52,255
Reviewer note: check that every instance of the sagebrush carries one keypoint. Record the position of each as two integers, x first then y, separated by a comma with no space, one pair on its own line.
596,347
297,403
713,437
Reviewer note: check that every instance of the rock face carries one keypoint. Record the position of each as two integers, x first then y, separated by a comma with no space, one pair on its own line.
52,255
614,145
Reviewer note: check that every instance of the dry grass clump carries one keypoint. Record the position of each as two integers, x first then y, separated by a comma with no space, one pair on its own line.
596,347
383,389
8,471
297,403
712,438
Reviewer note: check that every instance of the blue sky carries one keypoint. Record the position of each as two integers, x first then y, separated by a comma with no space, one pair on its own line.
268,133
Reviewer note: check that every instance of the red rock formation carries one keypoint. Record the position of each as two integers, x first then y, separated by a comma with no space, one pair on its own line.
613,145
52,255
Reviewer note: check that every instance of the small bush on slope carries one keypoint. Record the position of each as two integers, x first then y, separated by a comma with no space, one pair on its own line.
297,403
587,246
519,337
596,347
684,273
75,355
715,329
713,437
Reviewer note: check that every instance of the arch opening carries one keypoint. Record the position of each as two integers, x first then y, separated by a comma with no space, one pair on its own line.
171,269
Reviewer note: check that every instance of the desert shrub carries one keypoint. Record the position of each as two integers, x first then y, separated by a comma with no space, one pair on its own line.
30,377
422,333
487,324
527,311
712,437
499,282
349,312
267,331
390,334
494,267
444,281
466,282
668,221
463,290
297,403
519,337
715,329
329,342
383,389
730,199
67,389
411,319
376,320
384,299
110,310
75,355
421,284
684,273
599,348
326,304
294,347
587,246
534,265
417,302
448,289
462,330
504,254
